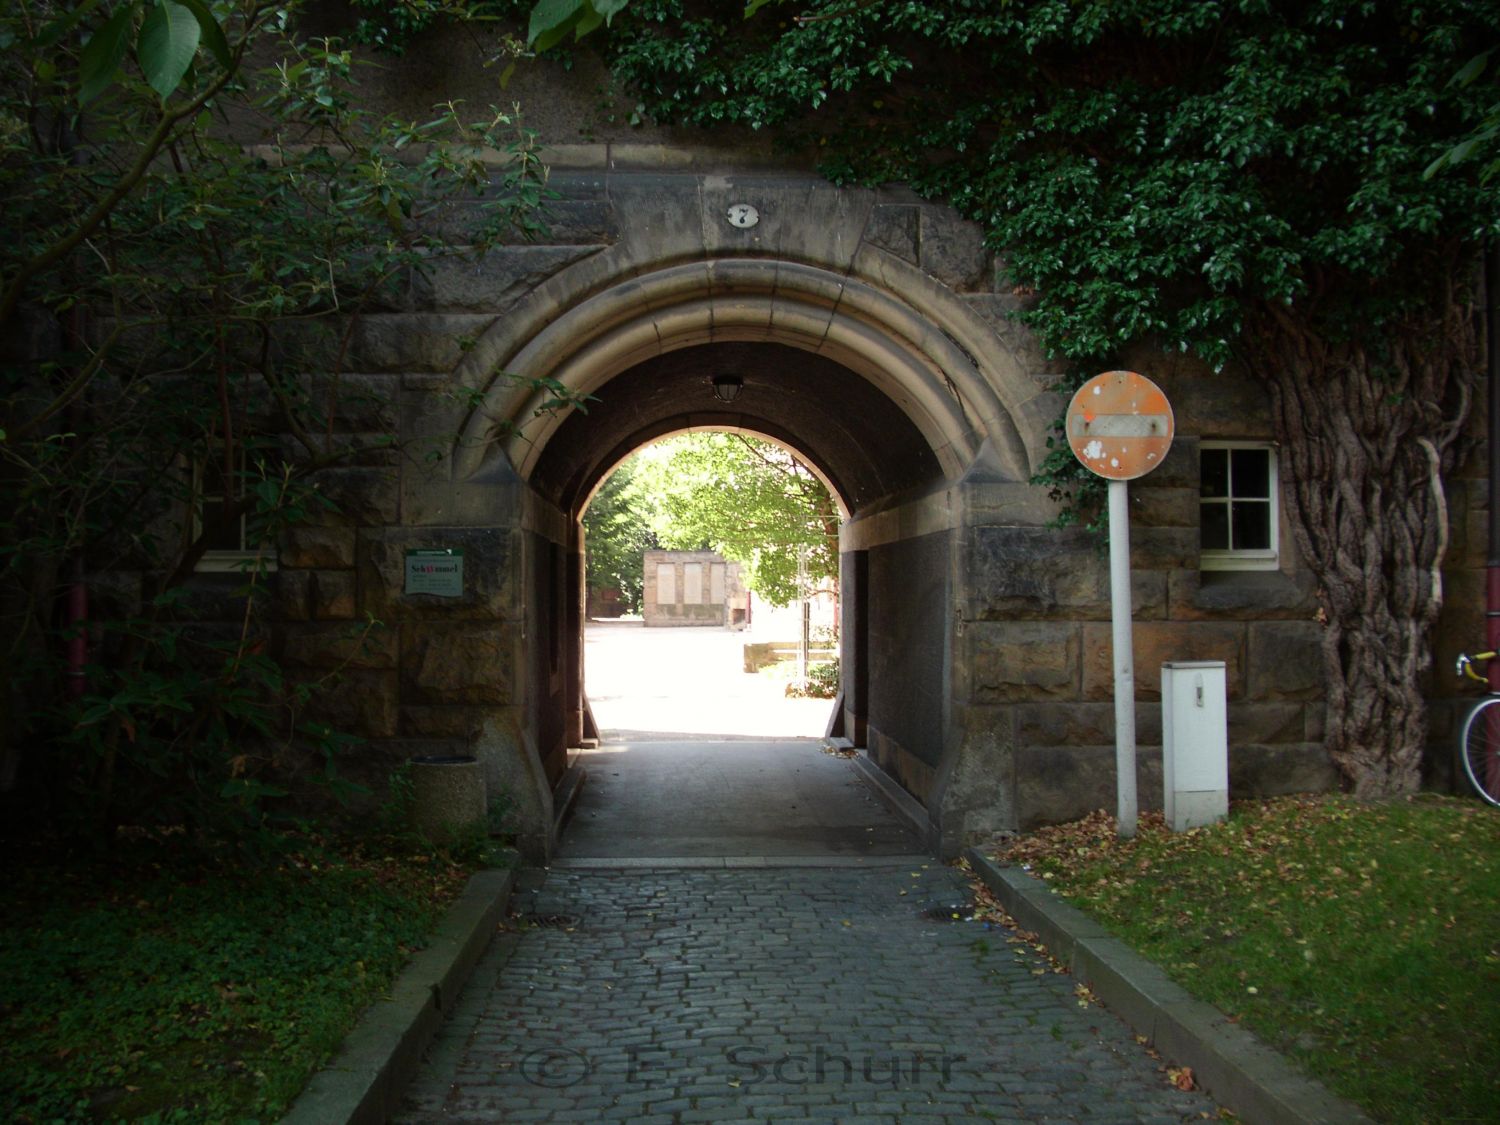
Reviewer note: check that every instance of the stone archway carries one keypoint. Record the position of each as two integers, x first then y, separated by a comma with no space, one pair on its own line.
901,331
986,686
894,385
866,450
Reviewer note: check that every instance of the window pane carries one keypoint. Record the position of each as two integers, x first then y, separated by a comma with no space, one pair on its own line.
221,535
1252,525
1252,473
1213,519
1214,468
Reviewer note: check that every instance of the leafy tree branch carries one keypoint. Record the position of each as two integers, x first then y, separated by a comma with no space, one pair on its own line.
192,234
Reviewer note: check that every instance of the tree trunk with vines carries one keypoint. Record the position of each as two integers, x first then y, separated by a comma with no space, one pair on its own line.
1370,426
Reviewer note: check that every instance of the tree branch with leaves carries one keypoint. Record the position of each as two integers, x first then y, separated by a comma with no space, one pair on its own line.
199,209
750,500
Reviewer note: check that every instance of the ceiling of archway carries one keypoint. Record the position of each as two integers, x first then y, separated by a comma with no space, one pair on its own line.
857,436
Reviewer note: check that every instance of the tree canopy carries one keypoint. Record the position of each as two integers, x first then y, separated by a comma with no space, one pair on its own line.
1151,169
750,500
617,534
197,210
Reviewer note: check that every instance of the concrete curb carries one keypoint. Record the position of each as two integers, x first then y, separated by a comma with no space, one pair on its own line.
1241,1072
565,798
364,1081
734,862
897,799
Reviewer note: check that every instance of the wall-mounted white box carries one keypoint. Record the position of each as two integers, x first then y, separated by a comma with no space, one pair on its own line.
1195,743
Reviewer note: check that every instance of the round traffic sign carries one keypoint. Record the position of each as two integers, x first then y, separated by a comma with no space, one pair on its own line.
1120,425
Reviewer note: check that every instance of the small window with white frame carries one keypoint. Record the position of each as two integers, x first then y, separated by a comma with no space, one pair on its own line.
229,546
1238,507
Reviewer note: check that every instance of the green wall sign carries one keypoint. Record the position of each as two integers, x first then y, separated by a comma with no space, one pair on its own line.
438,571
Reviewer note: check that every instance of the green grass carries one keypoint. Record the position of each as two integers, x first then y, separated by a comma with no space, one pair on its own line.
1363,940
150,988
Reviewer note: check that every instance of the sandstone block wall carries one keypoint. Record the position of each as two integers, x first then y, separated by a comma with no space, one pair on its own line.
718,593
986,689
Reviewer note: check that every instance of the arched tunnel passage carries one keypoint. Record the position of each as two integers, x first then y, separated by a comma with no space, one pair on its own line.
893,387
864,445
860,442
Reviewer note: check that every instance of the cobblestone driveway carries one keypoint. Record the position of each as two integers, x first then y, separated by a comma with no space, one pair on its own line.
787,994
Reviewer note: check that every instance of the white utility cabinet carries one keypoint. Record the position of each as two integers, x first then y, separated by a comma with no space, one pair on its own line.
1195,743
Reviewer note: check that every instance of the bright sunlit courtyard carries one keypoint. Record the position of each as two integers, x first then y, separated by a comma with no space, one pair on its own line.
678,682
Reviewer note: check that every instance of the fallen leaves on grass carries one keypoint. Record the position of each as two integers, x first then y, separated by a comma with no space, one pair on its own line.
1351,935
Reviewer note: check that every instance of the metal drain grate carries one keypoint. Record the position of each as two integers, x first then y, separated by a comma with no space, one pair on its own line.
548,921
949,912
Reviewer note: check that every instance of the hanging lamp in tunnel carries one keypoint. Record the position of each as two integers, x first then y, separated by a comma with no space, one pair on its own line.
727,388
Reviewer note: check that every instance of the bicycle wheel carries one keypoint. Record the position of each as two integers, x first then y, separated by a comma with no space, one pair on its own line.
1480,747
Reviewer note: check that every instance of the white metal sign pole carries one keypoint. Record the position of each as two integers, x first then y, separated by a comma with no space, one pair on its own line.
1120,611
1120,427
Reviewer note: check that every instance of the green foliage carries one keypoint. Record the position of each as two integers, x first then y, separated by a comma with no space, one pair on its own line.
169,40
750,500
618,534
552,20
170,33
189,240
1150,170
390,24
394,817
1163,171
1357,937
822,682
1486,135
143,988
1080,493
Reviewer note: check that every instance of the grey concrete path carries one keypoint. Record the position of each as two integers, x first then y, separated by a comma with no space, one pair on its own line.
733,932
731,799
666,997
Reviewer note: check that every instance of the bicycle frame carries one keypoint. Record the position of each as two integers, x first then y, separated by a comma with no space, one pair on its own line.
1479,737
